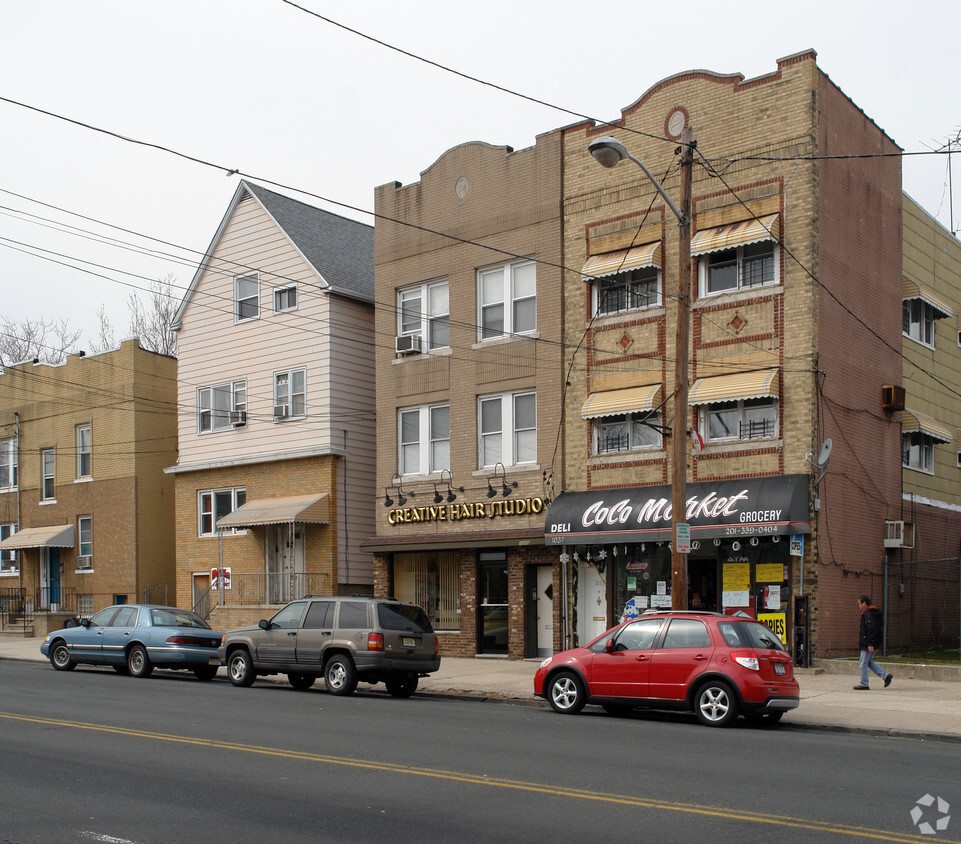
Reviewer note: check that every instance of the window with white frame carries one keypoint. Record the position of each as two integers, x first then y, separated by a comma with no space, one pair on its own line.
285,298
507,299
424,439
9,464
48,485
85,530
214,504
744,419
628,291
84,451
917,321
8,556
222,406
917,452
507,428
290,393
246,297
626,432
740,268
423,310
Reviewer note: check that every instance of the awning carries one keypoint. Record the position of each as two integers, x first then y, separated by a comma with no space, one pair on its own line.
738,385
912,421
913,290
52,536
614,402
612,263
274,511
737,234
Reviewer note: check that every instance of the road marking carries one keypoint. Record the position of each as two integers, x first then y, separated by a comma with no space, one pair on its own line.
107,839
495,782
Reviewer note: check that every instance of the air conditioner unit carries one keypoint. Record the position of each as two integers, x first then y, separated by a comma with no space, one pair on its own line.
898,534
892,398
238,418
281,411
407,344
85,561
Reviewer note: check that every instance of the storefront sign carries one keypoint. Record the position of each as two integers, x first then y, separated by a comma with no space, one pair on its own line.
777,622
464,512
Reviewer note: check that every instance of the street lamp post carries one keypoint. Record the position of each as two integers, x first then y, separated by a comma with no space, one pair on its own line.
608,152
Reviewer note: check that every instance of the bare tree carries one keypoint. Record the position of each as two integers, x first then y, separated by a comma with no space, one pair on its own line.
107,339
152,323
46,340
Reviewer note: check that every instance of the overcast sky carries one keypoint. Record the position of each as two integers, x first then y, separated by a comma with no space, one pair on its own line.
263,87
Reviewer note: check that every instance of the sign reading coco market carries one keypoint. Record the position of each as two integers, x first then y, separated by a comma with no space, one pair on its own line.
465,512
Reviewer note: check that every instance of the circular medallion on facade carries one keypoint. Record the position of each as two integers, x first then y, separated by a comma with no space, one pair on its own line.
676,121
461,188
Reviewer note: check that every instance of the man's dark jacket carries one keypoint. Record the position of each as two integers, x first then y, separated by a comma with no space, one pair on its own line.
872,628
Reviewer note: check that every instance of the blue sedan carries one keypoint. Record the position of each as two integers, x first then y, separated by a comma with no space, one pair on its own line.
135,639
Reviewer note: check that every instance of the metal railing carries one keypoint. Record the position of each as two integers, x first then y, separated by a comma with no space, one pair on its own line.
270,588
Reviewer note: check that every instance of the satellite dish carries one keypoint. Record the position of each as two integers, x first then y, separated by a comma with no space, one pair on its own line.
825,453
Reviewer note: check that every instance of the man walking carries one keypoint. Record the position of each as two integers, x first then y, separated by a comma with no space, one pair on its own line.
869,639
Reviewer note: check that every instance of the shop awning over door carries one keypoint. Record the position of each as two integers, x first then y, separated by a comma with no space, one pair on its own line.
52,536
736,234
314,509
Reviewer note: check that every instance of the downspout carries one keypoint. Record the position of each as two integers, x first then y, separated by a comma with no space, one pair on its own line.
346,519
16,416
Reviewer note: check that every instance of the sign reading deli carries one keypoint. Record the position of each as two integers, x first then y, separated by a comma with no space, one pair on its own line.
465,512
753,507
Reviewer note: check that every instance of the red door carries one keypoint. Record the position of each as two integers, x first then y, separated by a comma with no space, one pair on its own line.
624,670
685,652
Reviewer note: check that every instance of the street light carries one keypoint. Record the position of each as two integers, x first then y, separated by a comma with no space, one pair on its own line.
609,152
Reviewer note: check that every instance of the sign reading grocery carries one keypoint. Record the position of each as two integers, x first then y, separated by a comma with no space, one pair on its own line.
466,512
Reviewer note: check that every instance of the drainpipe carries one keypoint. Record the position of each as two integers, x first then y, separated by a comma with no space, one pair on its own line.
16,416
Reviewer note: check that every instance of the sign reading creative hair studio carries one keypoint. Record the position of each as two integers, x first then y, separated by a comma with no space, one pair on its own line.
776,505
466,511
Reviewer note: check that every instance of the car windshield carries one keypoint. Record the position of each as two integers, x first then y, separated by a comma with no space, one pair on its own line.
749,634
167,617
403,617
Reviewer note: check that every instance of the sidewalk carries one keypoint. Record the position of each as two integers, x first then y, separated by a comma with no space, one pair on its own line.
909,707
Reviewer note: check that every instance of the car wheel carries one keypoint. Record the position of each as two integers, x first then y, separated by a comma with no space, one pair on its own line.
122,669
138,663
764,719
402,686
240,669
340,675
60,656
617,709
566,694
206,672
301,682
715,704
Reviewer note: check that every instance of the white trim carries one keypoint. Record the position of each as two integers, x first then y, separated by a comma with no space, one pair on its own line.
252,461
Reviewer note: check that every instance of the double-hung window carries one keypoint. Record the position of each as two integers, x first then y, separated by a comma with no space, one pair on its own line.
739,268
424,311
627,432
8,464
290,393
214,504
507,426
246,297
917,452
507,299
285,298
743,419
48,486
85,546
628,291
424,439
8,557
84,451
917,321
222,406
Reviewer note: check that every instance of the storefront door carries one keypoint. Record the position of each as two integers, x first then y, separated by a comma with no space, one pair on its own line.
492,602
544,610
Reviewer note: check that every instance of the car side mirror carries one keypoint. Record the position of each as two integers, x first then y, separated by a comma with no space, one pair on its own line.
263,624
84,622
609,646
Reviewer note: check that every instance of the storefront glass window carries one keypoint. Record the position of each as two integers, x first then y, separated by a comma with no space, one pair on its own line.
430,579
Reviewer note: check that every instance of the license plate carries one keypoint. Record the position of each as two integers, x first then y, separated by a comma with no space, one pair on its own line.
779,668
409,642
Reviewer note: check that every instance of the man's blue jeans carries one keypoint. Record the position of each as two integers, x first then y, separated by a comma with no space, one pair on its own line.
866,662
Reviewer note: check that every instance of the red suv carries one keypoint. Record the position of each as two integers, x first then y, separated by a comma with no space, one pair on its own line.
718,666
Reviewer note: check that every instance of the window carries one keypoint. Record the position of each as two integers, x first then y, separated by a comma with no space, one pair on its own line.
217,503
353,615
84,447
626,432
424,439
85,606
48,487
640,288
424,311
508,299
85,529
8,557
430,579
246,297
222,406
8,464
285,299
687,633
290,392
917,452
746,419
740,268
917,321
508,429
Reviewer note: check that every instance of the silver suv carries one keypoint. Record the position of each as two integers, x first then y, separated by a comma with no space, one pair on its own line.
344,640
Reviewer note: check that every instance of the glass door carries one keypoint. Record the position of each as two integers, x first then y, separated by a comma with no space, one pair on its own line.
492,602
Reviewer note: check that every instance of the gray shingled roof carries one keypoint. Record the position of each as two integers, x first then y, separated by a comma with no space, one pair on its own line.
341,250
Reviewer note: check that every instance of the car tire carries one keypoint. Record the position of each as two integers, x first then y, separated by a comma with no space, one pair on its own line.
402,686
60,656
240,668
138,663
566,694
206,672
715,704
340,675
301,682
764,719
619,710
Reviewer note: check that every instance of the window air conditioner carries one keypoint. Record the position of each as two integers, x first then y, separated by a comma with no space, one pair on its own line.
238,418
407,344
85,561
898,534
281,411
892,398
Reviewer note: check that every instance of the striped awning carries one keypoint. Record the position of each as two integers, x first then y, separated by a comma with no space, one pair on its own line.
912,422
612,263
51,536
913,290
628,400
737,234
738,385
274,511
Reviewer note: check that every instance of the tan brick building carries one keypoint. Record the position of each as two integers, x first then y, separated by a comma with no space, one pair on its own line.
86,511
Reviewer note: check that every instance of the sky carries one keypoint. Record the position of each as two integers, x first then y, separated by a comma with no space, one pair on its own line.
267,89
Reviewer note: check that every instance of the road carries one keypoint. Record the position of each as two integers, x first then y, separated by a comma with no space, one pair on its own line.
94,756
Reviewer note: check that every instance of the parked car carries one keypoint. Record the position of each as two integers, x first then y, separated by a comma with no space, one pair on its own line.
714,665
344,640
135,639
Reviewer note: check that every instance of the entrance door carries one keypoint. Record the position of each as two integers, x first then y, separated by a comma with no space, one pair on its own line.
50,579
285,563
702,583
201,595
591,603
544,610
492,603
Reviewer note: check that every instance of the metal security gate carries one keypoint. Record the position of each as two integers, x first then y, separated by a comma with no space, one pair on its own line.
922,605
